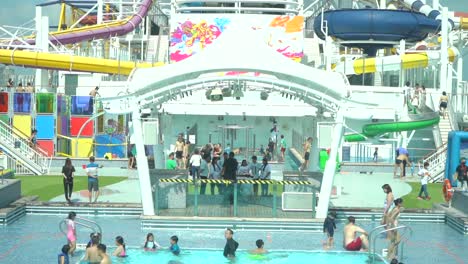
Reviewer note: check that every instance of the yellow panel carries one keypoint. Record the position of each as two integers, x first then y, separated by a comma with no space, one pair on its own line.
84,147
464,23
411,61
364,66
23,124
452,55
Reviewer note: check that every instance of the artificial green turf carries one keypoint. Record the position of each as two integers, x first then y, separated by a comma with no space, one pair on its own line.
411,200
48,187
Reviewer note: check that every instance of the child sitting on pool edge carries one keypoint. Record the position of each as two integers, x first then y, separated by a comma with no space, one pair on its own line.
150,244
174,248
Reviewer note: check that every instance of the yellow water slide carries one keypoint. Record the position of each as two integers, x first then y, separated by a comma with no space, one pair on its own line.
67,62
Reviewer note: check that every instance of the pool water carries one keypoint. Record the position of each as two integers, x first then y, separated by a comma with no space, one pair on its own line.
216,256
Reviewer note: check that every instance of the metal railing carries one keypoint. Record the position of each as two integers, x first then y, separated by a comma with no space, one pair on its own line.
437,160
18,147
93,226
408,232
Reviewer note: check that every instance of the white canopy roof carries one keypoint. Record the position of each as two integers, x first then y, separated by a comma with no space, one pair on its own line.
231,53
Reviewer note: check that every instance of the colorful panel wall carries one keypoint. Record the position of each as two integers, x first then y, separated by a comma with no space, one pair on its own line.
3,102
22,102
77,123
47,146
84,147
23,124
114,148
45,126
191,33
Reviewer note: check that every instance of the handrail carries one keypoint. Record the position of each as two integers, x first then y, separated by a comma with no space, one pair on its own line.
96,229
442,147
452,117
374,239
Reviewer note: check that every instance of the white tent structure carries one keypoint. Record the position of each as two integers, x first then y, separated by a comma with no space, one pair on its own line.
157,85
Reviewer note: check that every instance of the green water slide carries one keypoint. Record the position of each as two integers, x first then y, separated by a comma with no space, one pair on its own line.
418,121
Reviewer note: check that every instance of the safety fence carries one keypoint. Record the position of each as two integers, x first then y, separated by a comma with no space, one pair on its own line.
250,198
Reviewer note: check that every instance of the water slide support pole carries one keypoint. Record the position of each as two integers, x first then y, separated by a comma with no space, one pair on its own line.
459,82
330,167
143,168
444,52
42,44
383,4
435,4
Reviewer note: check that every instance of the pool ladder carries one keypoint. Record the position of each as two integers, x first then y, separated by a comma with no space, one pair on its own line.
89,224
379,230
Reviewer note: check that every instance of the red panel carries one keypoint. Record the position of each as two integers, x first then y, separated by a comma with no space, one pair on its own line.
46,146
76,124
3,102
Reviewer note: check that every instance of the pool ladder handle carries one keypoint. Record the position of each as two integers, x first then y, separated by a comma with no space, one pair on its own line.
96,229
373,239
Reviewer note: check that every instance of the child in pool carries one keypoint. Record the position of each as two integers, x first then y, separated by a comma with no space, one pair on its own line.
174,248
120,250
63,257
150,244
71,232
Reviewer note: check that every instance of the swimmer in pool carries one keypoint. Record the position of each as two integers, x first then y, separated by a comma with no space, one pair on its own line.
120,250
174,248
92,253
350,241
150,244
259,249
105,259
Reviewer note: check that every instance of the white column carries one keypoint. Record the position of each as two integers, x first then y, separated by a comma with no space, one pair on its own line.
143,169
459,86
383,4
330,167
42,44
444,52
435,4
100,11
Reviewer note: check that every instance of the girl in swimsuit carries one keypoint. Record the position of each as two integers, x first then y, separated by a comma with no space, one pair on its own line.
388,203
71,232
120,250
393,235
150,244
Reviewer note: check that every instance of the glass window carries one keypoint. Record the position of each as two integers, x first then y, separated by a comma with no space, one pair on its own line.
22,102
82,105
45,103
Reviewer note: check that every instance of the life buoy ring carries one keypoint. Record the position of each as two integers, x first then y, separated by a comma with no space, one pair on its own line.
447,189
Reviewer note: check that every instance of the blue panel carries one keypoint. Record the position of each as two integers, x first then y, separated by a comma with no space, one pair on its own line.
22,102
457,142
110,139
45,126
82,105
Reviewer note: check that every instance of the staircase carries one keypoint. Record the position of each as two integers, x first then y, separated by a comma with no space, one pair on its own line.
445,127
16,146
437,161
158,48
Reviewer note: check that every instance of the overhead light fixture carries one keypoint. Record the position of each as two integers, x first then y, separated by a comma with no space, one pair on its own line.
216,95
263,95
237,91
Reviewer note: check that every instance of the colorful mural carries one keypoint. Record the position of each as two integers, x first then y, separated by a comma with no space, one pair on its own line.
191,33
190,37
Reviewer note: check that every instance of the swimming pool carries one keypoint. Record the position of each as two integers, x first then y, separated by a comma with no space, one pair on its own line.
36,239
216,256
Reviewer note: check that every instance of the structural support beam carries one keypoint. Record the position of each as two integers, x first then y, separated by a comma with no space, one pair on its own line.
142,161
42,44
444,53
330,167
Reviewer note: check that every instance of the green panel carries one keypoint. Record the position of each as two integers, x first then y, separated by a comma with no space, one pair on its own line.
5,119
45,103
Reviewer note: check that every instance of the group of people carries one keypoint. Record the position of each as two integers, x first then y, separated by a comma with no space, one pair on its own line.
416,96
68,174
96,252
356,238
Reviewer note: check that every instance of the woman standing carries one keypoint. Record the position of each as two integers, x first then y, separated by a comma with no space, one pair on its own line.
388,203
443,104
68,172
215,174
71,232
393,235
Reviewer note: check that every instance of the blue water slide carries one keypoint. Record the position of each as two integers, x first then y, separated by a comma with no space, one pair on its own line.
377,25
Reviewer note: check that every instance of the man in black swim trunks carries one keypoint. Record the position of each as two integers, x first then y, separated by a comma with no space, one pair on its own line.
231,245
461,174
307,146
